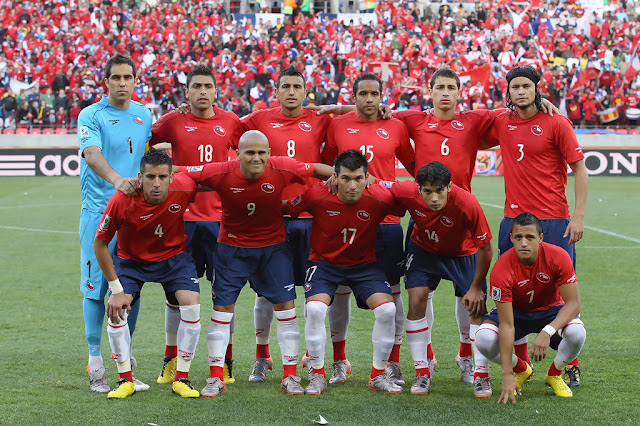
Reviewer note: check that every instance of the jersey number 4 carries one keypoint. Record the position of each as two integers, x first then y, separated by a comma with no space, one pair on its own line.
158,231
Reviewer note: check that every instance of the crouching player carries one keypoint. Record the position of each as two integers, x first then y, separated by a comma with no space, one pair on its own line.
343,236
151,248
536,291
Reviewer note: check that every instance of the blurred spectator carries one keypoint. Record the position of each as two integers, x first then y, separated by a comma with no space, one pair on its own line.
74,112
9,103
23,115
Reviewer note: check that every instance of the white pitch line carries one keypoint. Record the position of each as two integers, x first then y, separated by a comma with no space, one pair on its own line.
37,230
26,206
591,228
579,247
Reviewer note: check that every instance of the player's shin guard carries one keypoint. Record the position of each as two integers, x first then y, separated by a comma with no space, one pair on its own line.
464,321
573,336
399,322
171,324
93,311
481,361
383,332
188,331
315,332
262,319
417,340
217,340
288,339
120,340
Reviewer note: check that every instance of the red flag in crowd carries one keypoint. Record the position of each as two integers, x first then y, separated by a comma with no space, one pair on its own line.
384,69
480,74
634,66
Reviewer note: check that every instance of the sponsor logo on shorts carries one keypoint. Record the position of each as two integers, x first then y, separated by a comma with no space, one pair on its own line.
523,283
352,131
542,277
195,280
137,120
289,287
191,128
536,130
382,133
304,126
84,132
363,215
457,125
175,208
147,216
496,294
236,190
268,188
213,294
446,221
195,168
105,223
220,131
89,285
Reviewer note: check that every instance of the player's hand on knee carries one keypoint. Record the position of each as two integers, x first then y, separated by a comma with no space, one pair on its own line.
540,346
509,389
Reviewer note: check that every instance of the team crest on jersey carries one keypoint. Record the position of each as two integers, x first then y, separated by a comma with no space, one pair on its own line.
89,285
194,168
175,208
363,215
213,294
220,131
446,221
268,188
137,120
105,223
304,126
536,130
307,286
496,294
84,132
457,125
542,277
382,133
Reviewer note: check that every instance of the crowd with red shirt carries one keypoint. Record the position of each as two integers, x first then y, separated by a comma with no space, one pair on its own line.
60,49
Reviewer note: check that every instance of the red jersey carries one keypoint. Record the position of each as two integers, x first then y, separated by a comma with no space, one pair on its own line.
343,234
532,288
380,141
298,137
251,209
459,229
535,154
453,142
199,141
148,232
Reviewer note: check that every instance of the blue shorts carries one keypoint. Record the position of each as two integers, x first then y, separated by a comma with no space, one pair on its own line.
201,242
389,251
298,233
407,237
268,268
364,280
176,273
425,269
553,230
526,323
93,284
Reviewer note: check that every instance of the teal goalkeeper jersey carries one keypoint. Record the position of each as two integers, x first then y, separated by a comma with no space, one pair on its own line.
121,135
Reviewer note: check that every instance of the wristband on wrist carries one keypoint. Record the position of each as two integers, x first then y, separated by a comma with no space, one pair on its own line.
549,329
115,286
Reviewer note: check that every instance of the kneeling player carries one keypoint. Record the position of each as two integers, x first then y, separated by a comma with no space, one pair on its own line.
151,248
536,291
451,239
343,235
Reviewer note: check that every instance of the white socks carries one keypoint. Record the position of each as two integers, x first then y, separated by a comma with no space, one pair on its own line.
481,362
262,319
171,323
417,340
288,336
573,337
397,300
120,341
464,321
383,332
340,314
315,332
188,335
218,337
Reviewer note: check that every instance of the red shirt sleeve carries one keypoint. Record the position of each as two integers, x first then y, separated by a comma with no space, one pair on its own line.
112,217
404,150
330,150
567,141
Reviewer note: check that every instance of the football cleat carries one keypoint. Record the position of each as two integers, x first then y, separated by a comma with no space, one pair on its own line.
123,389
394,371
139,385
306,364
522,377
571,376
559,386
98,380
167,375
532,371
482,387
466,368
227,371
383,383
340,370
215,387
432,363
317,385
421,385
183,388
291,385
260,367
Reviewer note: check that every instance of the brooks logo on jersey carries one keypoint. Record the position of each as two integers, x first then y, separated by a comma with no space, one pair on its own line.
236,190
333,213
510,127
573,279
420,214
114,121
523,282
433,125
190,128
276,125
514,206
352,131
147,216
482,237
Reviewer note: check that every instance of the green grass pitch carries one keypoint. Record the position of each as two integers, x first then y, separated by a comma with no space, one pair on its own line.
43,349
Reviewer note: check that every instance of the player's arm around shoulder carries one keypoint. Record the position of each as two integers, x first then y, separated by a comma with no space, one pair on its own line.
305,200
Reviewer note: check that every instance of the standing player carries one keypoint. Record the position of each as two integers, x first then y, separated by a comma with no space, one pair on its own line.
297,133
451,239
535,289
112,134
536,149
343,236
203,135
251,246
151,247
381,142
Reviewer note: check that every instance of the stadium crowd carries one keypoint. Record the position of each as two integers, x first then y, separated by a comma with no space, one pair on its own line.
55,50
